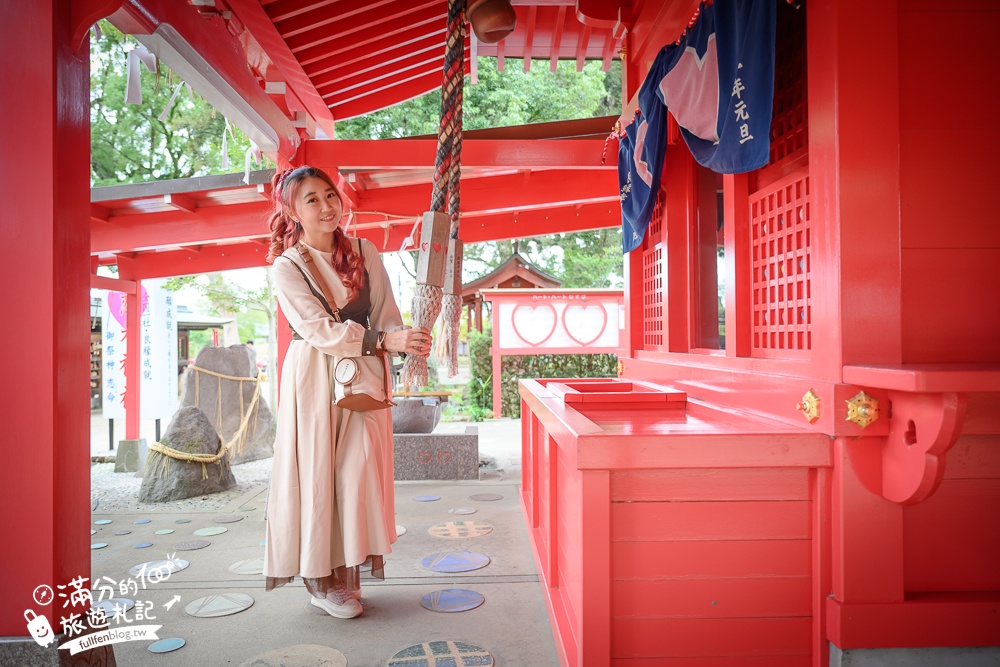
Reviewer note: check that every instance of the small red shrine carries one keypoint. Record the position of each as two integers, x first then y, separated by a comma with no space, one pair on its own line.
515,272
815,481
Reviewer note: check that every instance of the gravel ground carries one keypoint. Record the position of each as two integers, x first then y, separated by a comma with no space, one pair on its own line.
119,491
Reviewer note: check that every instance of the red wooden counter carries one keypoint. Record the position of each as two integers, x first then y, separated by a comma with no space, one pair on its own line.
669,533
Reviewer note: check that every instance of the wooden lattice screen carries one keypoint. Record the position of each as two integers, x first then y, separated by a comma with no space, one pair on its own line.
652,278
780,212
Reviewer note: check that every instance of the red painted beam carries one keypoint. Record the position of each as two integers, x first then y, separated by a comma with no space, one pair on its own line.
270,40
407,41
402,153
541,190
156,230
393,55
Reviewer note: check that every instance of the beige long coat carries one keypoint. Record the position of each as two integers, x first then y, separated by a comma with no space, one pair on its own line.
331,500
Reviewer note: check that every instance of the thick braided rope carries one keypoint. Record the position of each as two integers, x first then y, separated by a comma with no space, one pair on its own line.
452,304
239,438
425,310
452,79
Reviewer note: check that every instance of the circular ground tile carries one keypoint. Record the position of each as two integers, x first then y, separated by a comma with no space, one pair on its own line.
191,545
102,522
142,545
426,499
123,531
229,518
164,531
166,645
303,654
462,510
457,530
141,521
486,496
183,521
124,604
93,532
225,604
98,545
438,654
158,569
452,600
248,566
400,530
245,508
455,561
211,530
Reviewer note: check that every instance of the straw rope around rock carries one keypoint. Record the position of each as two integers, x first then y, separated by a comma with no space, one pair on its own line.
225,448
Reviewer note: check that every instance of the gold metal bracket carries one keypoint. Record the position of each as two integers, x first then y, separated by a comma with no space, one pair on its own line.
809,406
862,409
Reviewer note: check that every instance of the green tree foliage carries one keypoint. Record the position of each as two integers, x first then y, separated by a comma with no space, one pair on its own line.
130,144
502,99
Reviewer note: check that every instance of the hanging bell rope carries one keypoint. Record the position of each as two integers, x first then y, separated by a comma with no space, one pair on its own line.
439,228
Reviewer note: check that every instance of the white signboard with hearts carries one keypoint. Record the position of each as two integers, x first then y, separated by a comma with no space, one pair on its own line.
578,322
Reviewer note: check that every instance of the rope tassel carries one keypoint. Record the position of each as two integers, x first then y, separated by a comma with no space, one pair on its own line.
425,311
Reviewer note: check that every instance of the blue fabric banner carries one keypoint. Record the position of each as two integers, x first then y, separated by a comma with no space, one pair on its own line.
718,82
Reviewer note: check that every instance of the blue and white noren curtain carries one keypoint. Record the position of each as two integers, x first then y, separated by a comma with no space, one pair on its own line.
718,82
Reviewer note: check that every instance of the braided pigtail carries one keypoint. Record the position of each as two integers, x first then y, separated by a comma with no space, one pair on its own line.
284,231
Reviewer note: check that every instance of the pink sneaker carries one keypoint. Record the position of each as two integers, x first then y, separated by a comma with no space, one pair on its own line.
338,603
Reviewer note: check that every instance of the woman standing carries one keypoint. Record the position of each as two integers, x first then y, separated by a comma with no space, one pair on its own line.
330,505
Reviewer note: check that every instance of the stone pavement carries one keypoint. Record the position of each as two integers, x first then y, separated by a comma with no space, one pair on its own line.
511,624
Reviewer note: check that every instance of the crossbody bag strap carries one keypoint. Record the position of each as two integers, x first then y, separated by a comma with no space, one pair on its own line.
331,305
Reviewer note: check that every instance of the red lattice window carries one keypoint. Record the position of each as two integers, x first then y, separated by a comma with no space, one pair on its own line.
788,121
779,219
652,279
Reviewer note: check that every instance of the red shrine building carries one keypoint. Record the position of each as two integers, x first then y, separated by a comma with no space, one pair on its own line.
799,463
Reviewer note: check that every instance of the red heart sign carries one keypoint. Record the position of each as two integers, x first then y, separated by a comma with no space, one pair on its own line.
424,246
444,457
425,456
532,317
437,247
581,325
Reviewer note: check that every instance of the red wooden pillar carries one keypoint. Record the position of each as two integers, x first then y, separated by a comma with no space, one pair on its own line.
853,99
45,487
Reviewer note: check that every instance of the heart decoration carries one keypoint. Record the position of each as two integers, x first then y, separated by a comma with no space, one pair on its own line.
116,304
581,324
437,247
424,246
532,317
444,457
425,456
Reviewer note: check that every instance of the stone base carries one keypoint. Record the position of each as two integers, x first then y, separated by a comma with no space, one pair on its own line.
437,455
914,657
131,456
25,652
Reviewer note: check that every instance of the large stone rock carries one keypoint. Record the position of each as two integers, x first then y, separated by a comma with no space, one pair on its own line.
201,390
190,432
416,415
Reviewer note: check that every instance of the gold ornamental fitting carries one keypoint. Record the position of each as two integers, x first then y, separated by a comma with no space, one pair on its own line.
809,406
620,368
862,409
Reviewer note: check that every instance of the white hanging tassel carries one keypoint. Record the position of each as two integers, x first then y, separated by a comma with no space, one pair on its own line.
170,102
133,81
133,85
225,144
252,152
